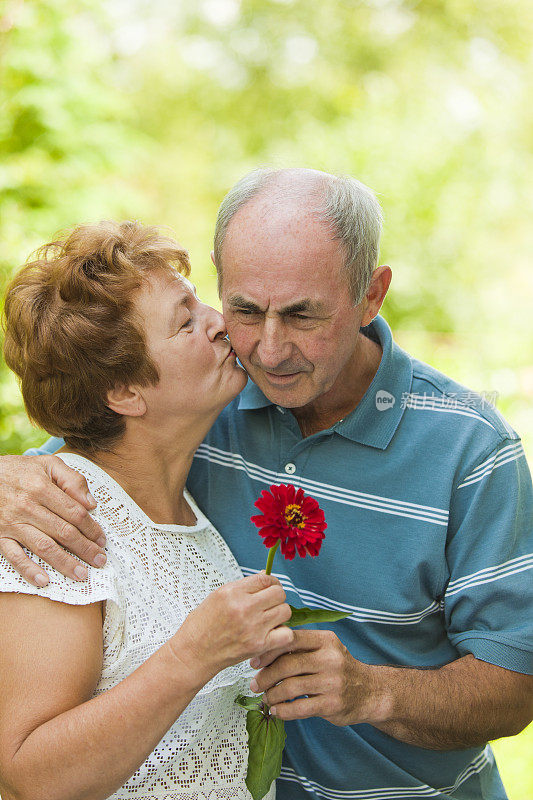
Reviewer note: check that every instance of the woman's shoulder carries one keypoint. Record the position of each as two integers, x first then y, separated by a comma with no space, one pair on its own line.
101,584
97,479
114,506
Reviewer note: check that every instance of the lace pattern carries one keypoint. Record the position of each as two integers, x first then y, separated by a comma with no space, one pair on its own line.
154,577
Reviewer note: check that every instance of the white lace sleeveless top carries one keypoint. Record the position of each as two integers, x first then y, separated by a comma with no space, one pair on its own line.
154,576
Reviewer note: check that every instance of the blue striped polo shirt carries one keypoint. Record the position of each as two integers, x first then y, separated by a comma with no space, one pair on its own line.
429,547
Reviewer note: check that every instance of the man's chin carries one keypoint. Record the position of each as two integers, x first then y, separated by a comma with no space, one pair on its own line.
288,391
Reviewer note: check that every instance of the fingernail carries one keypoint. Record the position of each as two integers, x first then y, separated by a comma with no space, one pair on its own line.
254,662
101,541
91,499
273,711
41,580
80,573
254,686
99,560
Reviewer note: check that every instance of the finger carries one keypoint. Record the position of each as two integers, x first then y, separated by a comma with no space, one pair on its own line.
277,615
258,582
303,708
272,597
38,519
25,567
46,548
286,666
290,689
301,642
70,481
279,638
64,507
268,657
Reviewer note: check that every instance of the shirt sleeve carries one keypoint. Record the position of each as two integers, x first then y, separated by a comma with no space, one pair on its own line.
488,600
101,584
50,447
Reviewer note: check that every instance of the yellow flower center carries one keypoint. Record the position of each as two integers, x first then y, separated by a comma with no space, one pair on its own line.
294,516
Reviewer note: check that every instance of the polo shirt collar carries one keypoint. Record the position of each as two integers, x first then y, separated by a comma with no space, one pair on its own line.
377,416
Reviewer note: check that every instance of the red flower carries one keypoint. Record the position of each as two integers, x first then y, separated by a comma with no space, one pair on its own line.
292,518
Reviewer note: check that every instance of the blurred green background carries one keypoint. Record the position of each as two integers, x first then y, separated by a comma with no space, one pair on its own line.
128,109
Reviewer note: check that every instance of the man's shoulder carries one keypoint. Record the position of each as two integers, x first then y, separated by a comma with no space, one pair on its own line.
433,390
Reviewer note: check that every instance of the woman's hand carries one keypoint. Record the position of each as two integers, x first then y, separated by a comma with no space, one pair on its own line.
44,506
240,620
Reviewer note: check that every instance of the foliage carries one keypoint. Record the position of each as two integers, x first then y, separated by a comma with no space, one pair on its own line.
513,756
151,111
266,740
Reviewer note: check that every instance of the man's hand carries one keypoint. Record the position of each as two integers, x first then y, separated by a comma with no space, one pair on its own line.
321,673
44,506
463,704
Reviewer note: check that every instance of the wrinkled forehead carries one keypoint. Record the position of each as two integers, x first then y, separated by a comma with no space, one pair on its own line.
274,282
160,292
168,282
286,296
186,283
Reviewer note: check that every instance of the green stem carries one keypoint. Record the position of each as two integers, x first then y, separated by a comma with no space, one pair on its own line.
270,559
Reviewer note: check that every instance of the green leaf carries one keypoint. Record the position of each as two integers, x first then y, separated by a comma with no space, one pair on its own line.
303,616
266,740
250,703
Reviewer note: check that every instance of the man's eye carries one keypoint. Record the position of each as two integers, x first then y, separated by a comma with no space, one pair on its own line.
245,312
186,325
303,319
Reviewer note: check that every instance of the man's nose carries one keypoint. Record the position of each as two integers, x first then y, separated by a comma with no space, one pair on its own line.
272,348
215,325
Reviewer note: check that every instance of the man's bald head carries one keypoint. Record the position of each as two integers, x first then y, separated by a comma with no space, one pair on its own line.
346,206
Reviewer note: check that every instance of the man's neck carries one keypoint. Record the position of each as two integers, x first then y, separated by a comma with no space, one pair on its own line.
346,394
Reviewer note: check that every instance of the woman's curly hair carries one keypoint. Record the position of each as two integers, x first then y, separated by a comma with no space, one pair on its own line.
71,334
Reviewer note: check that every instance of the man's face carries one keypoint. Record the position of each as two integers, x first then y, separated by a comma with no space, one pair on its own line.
287,304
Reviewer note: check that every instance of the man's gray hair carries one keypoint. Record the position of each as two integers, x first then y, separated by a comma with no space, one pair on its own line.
345,204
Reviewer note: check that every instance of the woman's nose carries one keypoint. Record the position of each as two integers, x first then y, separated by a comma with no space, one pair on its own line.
215,325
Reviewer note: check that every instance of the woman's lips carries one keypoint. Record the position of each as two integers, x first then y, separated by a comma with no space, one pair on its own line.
229,355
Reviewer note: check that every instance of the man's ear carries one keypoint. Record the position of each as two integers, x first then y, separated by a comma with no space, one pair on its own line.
126,400
373,300
213,257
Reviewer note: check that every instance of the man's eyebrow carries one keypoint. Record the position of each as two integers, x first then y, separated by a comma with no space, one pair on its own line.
237,300
306,305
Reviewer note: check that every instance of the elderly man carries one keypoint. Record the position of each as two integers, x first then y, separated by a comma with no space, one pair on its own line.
426,492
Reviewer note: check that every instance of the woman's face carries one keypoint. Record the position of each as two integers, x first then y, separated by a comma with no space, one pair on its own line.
198,371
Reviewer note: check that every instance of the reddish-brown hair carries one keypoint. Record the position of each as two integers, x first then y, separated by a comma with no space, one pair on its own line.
71,333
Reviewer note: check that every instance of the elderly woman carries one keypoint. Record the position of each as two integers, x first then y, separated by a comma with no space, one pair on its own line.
124,685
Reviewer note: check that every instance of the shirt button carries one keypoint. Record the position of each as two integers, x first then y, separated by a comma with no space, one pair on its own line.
280,409
290,469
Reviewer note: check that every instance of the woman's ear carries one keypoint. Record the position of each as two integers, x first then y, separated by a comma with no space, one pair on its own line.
126,400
